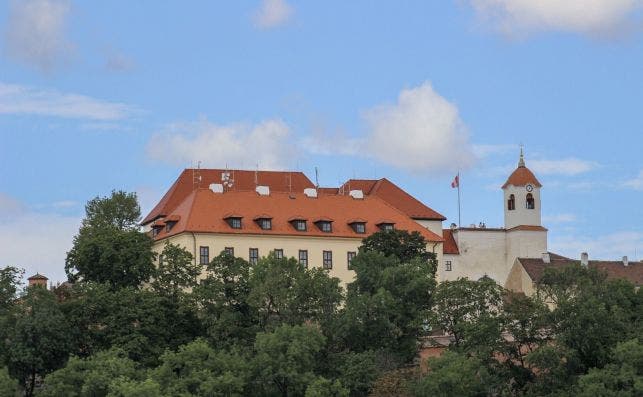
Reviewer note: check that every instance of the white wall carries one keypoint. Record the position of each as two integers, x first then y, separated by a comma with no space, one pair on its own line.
482,252
521,215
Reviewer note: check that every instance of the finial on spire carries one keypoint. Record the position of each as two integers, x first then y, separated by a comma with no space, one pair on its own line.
521,162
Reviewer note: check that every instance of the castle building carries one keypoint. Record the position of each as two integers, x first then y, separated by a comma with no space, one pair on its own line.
254,213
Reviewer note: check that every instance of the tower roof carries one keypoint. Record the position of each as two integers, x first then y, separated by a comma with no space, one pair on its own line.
522,175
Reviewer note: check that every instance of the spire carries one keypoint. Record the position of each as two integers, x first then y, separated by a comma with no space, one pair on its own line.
521,162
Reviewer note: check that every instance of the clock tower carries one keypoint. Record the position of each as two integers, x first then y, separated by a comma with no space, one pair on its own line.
522,197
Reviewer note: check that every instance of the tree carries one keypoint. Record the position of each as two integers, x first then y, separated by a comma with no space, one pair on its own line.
197,369
322,387
469,311
176,271
38,341
622,378
284,292
454,374
399,243
387,304
8,385
108,247
9,281
287,357
90,376
223,297
124,387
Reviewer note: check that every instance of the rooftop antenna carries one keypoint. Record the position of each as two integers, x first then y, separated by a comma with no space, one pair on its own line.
316,177
196,176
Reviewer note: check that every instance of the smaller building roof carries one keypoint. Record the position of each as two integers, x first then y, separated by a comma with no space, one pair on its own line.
633,272
37,276
450,246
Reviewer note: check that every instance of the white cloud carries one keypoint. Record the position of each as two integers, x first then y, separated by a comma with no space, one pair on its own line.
559,218
273,13
35,241
635,183
35,32
267,143
581,16
489,150
569,166
422,133
612,246
17,99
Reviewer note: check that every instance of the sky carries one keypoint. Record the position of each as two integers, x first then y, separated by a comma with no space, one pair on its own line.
96,96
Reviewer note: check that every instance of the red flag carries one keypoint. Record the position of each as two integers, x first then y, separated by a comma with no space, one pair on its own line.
456,181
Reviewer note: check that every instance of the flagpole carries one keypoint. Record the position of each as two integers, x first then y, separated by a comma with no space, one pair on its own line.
459,200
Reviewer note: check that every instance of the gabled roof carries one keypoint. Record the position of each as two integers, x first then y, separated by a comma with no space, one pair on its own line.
535,268
450,246
37,276
394,195
205,211
244,180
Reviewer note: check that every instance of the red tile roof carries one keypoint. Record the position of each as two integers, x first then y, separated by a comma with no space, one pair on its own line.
535,268
205,211
531,228
279,181
522,176
37,276
450,246
394,195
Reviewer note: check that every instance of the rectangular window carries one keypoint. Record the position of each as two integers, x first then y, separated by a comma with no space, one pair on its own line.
155,231
235,223
326,227
328,259
359,227
300,225
229,250
303,258
168,226
254,256
204,255
161,259
265,224
279,253
447,266
386,226
349,257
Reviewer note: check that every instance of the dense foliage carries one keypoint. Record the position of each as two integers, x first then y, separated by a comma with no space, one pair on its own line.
229,328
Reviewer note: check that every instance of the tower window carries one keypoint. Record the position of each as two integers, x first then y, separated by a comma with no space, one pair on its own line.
531,204
511,203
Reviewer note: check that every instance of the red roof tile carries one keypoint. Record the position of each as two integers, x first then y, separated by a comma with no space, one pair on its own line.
450,246
522,176
394,195
204,211
535,268
37,276
278,181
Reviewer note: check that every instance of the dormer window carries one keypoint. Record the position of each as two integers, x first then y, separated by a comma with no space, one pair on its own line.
169,226
299,223
511,203
265,223
325,226
155,231
386,226
530,203
235,222
358,226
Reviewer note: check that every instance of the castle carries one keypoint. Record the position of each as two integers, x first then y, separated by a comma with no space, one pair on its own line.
253,213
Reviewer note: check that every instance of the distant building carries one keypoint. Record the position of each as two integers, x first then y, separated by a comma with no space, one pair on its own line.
253,213
38,279
526,272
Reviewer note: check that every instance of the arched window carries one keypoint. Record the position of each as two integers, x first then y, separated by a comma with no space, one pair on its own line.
530,202
511,203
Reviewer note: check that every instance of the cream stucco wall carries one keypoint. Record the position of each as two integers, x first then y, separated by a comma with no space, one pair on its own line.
525,244
482,252
290,244
433,225
519,281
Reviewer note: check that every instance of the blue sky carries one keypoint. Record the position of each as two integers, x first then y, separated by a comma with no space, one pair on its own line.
96,96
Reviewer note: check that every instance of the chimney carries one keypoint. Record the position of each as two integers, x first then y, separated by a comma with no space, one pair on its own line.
584,259
625,262
546,257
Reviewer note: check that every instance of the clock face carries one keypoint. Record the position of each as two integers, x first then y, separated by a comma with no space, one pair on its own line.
529,188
